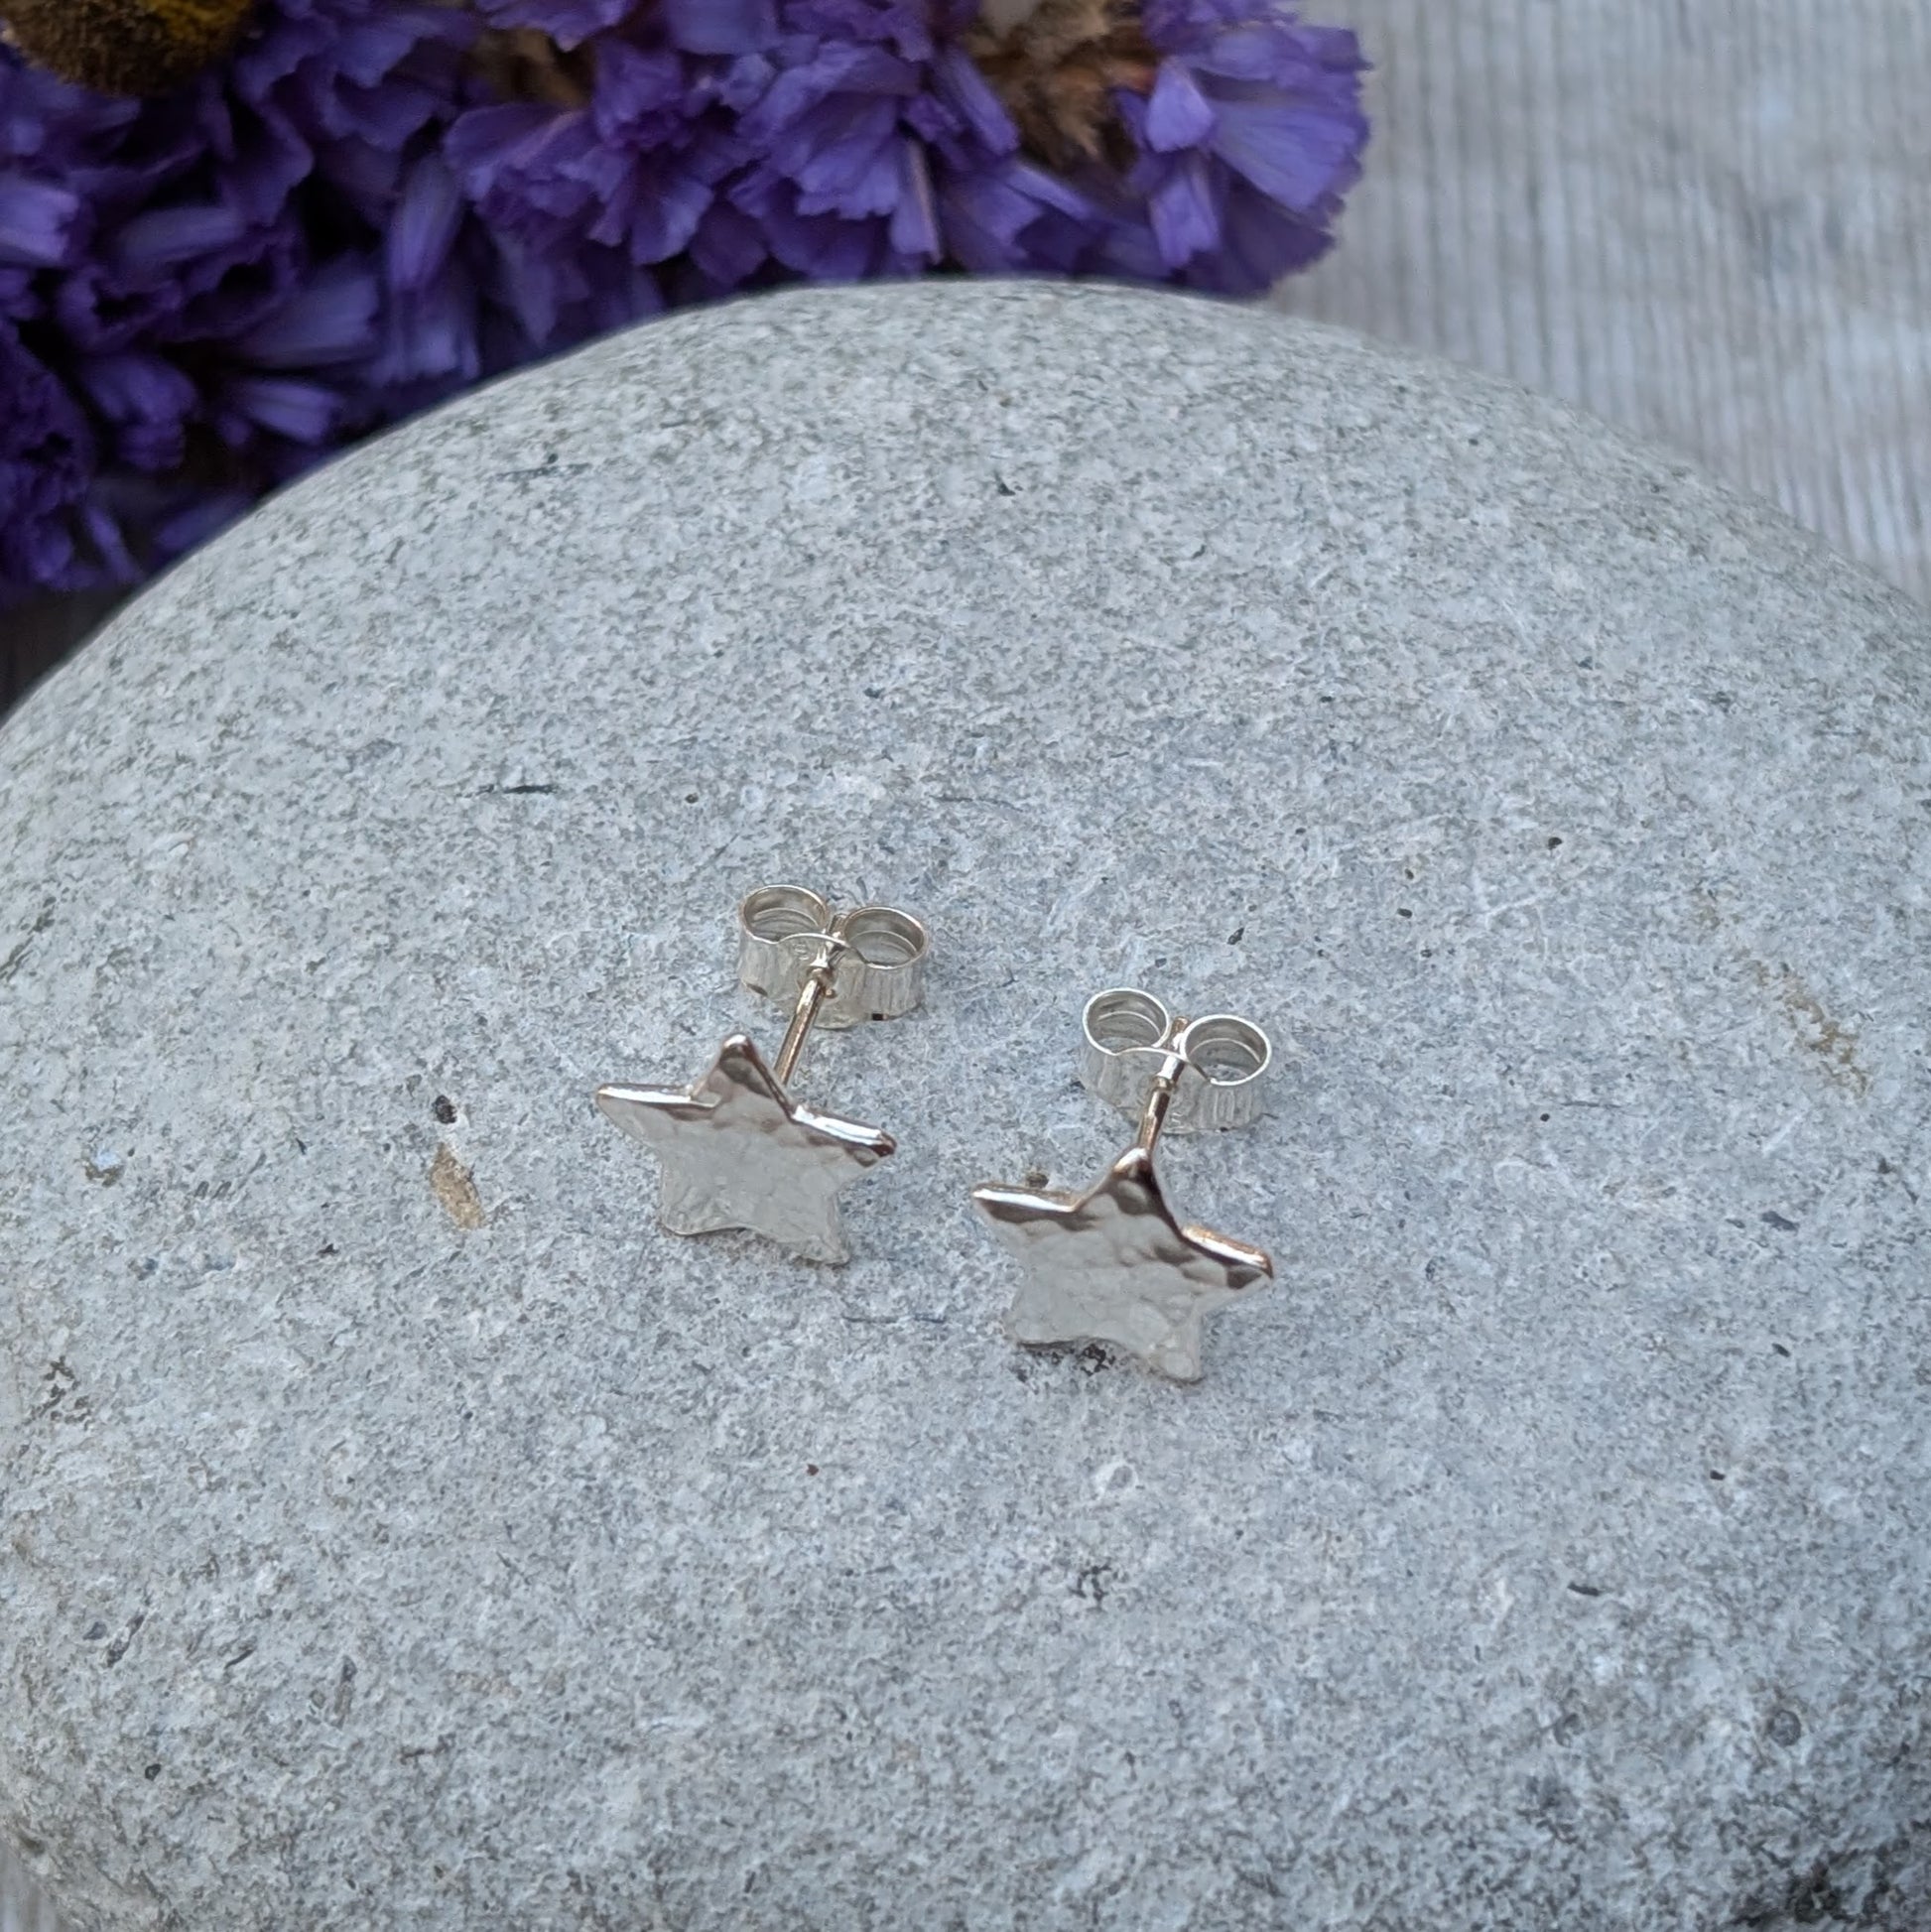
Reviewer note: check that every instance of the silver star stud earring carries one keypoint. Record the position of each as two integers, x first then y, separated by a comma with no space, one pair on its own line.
1116,1264
737,1151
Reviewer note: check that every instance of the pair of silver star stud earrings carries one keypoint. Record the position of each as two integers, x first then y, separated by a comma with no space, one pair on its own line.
1114,1265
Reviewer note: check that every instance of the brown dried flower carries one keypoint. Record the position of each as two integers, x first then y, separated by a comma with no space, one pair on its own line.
124,47
524,63
1058,70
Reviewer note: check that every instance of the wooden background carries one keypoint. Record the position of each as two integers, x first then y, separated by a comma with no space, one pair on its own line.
1707,220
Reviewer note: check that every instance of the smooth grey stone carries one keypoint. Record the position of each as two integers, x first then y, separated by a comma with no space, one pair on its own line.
402,1533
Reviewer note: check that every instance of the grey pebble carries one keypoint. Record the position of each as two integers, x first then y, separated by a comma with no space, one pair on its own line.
400,1532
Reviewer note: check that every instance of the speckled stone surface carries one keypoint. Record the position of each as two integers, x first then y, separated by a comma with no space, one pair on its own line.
402,1533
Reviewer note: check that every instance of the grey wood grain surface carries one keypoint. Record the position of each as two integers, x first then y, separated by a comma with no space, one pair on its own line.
1707,220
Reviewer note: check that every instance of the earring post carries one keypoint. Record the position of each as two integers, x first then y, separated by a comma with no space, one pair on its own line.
833,970
811,995
1160,1096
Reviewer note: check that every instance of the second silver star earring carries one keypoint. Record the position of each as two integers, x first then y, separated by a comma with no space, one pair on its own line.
737,1151
1115,1264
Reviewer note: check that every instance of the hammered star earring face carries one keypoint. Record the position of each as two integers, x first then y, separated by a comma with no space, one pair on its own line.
737,1151
1116,1264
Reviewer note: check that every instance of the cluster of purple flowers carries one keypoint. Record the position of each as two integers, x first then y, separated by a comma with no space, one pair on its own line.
374,203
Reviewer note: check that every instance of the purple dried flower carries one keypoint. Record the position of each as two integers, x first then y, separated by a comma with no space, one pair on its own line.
47,462
205,289
742,140
873,108
589,189
1250,137
370,204
1204,142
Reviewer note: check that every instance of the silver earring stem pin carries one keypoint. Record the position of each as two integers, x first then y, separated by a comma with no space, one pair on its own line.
813,994
1160,1096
